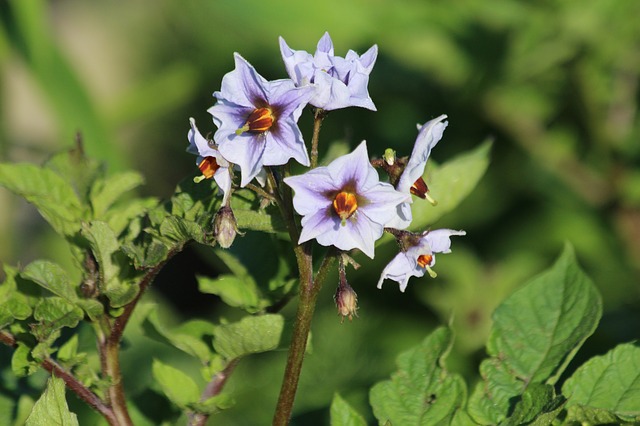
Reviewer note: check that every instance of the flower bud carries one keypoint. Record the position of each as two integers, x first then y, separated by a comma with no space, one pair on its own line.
346,301
225,227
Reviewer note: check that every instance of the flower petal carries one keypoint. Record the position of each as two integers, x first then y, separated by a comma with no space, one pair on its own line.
283,143
429,135
243,86
440,240
246,151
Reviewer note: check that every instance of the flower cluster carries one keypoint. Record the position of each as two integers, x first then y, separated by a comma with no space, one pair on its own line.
344,204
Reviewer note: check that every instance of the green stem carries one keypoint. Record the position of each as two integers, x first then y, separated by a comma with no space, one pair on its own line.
308,296
70,381
319,115
110,348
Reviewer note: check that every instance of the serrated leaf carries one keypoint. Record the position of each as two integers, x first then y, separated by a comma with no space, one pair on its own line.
75,168
246,208
52,277
190,199
52,409
69,349
111,261
181,389
538,406
54,198
181,231
449,184
536,332
56,312
259,221
252,334
22,363
421,392
147,255
188,337
238,292
610,382
105,192
122,216
13,304
342,414
213,404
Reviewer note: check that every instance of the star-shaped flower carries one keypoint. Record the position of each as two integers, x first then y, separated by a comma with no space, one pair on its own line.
411,180
419,258
257,120
344,204
338,82
210,162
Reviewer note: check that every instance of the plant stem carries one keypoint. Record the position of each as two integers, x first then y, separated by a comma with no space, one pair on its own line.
308,297
319,115
70,381
110,348
213,388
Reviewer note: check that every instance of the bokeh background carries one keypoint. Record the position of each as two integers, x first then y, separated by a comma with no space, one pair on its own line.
553,83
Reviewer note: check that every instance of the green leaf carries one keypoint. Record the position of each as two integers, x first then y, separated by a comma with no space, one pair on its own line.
52,277
122,216
252,334
22,363
54,198
51,409
111,261
421,392
13,304
449,184
56,312
75,168
105,192
181,231
188,337
536,332
25,405
606,386
6,409
342,414
239,292
538,406
259,221
249,215
69,349
179,388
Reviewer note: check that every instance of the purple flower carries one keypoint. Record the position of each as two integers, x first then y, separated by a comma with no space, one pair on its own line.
411,179
338,82
257,120
210,162
344,204
419,258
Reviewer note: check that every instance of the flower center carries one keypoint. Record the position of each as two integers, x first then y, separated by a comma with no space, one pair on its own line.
208,166
424,260
345,204
259,121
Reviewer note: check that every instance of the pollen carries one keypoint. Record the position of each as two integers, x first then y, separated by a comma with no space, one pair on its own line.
259,121
345,205
424,260
208,166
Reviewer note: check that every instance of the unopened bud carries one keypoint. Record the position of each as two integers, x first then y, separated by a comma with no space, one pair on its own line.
225,227
346,301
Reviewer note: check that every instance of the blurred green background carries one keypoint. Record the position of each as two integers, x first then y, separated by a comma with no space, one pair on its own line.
554,84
